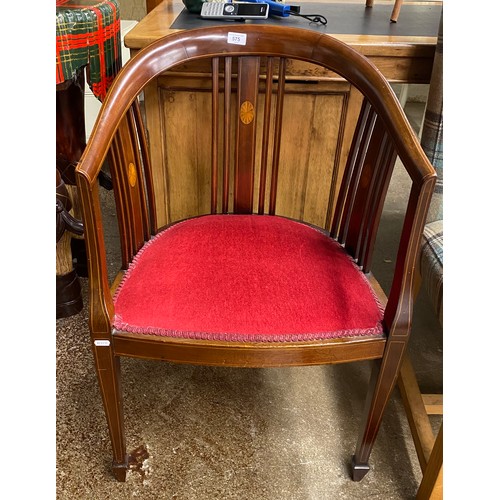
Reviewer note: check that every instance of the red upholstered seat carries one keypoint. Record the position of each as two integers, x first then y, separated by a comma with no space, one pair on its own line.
245,278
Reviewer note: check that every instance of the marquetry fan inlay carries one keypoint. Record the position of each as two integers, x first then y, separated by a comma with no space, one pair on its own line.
246,112
132,174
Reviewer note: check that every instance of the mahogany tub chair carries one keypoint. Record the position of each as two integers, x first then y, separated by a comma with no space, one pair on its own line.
242,285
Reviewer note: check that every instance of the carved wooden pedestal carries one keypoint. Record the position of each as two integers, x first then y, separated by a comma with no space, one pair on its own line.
70,143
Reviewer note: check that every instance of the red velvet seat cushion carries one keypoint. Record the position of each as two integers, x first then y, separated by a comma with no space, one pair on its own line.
245,278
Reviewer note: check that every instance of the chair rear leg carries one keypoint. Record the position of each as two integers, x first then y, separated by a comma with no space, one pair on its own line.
383,379
108,374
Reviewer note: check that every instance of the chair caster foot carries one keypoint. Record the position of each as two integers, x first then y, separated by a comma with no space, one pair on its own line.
120,470
359,471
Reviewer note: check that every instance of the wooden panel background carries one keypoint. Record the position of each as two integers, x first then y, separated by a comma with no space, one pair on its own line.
318,124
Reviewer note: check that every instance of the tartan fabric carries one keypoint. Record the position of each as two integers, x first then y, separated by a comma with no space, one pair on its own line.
431,264
88,33
432,130
431,260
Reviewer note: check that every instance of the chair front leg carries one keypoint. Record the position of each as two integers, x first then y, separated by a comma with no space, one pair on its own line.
108,374
383,379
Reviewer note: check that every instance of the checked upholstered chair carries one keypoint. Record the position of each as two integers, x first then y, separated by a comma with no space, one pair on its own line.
419,406
241,285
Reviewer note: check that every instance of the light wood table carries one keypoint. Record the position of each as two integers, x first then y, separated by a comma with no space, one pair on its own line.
305,152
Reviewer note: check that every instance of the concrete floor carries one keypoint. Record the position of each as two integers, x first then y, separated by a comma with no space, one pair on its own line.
221,433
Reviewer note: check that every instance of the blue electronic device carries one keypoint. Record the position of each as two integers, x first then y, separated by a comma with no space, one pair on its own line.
280,9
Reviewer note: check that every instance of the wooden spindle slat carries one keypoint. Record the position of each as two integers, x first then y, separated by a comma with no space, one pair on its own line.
146,167
215,134
337,162
382,185
363,190
351,162
133,174
368,209
246,129
227,131
127,172
265,134
354,175
119,188
277,135
138,192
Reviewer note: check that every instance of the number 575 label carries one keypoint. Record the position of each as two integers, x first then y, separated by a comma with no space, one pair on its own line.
237,38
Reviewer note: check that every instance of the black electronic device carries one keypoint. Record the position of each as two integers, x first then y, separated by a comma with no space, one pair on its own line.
236,10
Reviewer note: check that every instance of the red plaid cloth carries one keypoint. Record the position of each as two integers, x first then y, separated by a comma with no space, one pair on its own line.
88,32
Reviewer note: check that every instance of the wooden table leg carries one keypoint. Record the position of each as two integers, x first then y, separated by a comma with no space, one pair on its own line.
395,10
429,448
431,486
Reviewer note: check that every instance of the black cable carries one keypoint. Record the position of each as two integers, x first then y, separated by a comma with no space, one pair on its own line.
314,18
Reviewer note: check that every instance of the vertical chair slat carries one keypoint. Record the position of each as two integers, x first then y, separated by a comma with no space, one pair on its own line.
138,192
246,128
337,161
376,204
134,179
363,189
265,134
146,167
356,171
115,165
126,168
277,135
356,158
215,133
351,160
227,130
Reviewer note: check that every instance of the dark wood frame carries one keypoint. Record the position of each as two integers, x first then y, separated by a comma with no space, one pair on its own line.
383,132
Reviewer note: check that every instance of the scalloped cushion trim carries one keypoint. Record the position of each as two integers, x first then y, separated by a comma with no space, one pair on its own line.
185,269
237,337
